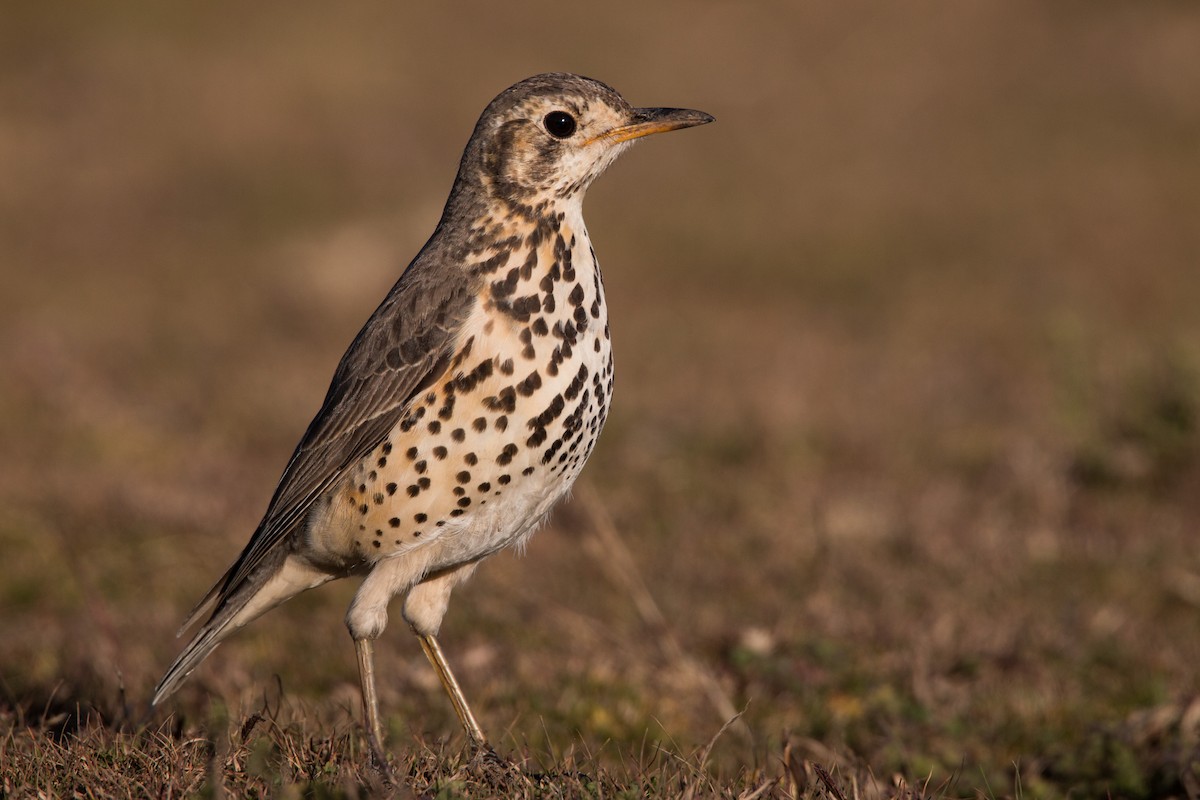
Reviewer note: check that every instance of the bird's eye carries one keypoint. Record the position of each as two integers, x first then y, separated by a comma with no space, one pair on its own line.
559,124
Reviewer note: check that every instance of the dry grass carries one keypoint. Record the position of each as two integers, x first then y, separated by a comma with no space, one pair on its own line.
905,445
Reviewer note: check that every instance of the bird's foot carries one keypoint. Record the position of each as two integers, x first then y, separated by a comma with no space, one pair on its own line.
379,759
483,755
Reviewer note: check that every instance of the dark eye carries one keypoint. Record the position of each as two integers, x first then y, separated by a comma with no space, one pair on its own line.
559,124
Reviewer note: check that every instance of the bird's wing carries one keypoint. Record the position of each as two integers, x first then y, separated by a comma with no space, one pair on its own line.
404,347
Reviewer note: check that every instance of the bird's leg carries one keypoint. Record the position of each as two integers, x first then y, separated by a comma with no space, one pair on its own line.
433,651
424,608
370,697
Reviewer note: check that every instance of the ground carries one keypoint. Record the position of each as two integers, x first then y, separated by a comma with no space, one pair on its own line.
903,467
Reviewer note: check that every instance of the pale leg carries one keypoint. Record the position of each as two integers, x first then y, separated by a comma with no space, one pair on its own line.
370,696
436,657
424,608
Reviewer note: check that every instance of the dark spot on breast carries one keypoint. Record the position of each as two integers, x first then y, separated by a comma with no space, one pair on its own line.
532,382
471,459
463,354
506,401
423,483
411,453
394,522
527,471
364,508
504,288
525,307
506,366
463,477
413,490
420,517
435,427
501,423
458,434
479,424
391,488
492,264
551,412
577,383
463,502
467,383
506,455
484,487
504,480
439,452
420,467
530,262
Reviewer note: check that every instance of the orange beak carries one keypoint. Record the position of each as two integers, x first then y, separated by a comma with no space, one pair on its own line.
655,120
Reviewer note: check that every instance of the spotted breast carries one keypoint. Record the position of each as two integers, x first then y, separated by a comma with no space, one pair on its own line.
485,452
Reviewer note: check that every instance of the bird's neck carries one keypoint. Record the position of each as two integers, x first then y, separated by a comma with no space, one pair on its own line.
517,257
499,233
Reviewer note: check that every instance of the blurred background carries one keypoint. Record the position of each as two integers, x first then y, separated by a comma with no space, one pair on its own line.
908,371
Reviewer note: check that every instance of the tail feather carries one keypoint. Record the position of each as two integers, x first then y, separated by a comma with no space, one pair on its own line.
207,605
264,589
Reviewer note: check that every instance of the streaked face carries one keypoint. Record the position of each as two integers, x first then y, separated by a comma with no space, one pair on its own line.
551,136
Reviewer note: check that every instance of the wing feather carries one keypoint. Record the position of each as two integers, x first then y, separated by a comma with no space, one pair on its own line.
404,348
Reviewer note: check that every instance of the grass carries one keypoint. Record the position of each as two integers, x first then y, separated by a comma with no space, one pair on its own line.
904,462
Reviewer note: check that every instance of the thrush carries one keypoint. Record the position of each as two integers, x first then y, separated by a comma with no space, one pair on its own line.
467,405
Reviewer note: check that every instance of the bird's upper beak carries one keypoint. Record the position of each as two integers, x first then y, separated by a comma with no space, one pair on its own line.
655,120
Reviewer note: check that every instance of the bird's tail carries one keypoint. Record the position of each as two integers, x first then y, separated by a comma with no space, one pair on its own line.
262,590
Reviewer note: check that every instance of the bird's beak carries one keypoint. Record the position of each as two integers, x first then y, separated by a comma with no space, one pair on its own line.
654,120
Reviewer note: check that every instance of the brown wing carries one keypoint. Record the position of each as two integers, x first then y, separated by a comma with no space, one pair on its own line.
404,347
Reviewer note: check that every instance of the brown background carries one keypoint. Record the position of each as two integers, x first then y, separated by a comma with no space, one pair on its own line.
905,428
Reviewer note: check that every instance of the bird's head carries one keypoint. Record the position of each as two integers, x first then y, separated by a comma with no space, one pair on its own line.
548,137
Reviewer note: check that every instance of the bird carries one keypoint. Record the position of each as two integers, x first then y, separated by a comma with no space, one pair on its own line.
466,406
